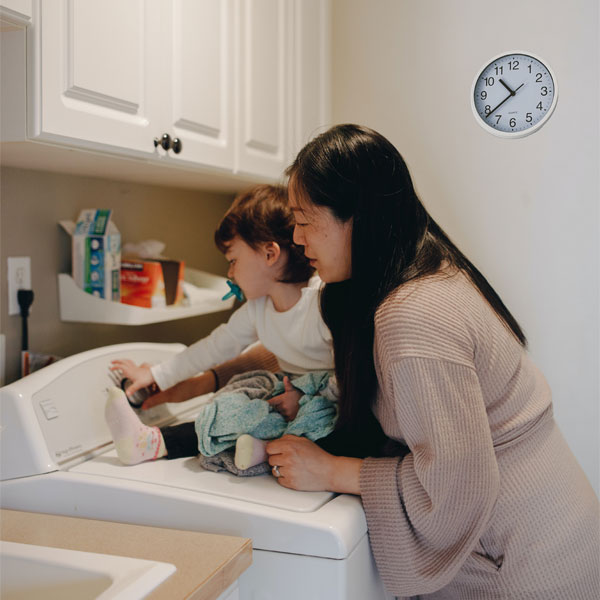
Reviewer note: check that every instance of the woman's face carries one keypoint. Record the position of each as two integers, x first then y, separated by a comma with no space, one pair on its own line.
327,241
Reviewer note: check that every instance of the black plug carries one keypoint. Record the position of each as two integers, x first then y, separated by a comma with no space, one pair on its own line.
25,299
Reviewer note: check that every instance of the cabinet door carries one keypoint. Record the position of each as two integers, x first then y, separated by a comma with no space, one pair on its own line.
201,89
91,76
311,90
263,87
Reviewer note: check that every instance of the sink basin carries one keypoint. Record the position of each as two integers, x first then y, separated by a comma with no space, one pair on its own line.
28,571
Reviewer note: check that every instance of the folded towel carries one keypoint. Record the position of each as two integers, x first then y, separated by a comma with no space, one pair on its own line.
224,461
242,407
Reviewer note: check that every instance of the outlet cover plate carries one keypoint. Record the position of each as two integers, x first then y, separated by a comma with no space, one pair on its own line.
19,278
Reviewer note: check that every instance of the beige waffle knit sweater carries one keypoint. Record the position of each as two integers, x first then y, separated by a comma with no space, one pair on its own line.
489,503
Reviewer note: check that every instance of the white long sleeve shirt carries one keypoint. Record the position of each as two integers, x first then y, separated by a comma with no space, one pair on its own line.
298,338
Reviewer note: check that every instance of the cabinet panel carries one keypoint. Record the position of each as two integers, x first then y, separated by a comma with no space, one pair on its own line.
263,75
311,104
91,85
104,55
263,70
202,88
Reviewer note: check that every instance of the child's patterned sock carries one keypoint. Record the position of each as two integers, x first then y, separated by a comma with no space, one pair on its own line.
134,441
249,451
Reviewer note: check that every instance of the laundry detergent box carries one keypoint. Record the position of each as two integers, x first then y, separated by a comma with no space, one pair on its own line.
96,253
151,283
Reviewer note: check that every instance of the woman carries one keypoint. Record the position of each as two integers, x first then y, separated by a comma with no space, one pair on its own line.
485,500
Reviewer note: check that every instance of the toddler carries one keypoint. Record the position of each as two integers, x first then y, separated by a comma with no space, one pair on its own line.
282,312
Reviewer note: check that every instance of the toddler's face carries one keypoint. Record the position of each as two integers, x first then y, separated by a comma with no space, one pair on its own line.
248,268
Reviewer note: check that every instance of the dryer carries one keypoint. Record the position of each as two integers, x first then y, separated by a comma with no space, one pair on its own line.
57,456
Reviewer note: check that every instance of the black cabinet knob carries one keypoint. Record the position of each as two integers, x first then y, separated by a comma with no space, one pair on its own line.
164,141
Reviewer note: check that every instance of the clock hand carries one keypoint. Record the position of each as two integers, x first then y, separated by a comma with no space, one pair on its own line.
511,92
503,101
499,105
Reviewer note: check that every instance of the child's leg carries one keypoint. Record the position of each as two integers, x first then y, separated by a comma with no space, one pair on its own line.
134,441
180,440
249,451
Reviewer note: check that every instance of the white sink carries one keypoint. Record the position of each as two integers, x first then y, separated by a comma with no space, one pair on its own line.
28,571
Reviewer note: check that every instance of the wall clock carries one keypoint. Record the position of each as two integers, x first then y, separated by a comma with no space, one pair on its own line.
514,94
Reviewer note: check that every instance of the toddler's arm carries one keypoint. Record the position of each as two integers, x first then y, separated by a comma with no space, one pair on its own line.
257,357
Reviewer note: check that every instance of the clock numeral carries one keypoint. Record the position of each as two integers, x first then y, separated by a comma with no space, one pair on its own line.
544,91
528,118
488,109
539,106
498,117
499,70
512,122
489,81
483,95
538,78
513,65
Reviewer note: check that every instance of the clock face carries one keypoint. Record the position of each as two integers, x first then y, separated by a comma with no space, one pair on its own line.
514,95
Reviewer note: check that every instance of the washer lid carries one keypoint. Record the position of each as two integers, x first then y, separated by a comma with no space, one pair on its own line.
186,473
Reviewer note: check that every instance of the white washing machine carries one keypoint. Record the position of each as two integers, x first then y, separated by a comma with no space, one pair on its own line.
56,456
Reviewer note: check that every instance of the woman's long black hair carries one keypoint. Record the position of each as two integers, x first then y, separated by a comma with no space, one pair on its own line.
358,174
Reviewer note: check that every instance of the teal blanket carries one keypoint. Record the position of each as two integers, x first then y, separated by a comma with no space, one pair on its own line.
242,407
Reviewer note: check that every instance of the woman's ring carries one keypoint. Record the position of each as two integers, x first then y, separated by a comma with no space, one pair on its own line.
276,472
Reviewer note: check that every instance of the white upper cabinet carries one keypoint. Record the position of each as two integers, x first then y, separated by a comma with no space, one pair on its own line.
123,74
201,91
311,69
92,80
264,119
236,85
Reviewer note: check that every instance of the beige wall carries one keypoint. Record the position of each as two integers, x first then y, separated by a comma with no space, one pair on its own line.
526,210
32,203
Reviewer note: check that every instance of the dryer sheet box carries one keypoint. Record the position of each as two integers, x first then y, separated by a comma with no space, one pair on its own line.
96,254
151,283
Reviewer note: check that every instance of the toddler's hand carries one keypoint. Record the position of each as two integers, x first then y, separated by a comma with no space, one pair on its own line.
140,376
288,403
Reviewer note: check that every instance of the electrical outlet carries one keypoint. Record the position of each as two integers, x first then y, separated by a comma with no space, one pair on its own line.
19,278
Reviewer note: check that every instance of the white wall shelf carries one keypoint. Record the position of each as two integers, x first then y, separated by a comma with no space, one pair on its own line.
77,305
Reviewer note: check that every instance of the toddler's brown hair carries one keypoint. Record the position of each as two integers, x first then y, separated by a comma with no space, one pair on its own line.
262,215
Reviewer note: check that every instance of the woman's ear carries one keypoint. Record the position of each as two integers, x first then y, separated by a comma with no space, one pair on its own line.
272,252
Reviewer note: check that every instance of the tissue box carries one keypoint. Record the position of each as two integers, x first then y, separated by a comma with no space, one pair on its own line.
151,283
96,248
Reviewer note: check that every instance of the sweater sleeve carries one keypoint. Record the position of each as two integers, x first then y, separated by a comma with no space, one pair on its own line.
224,343
426,511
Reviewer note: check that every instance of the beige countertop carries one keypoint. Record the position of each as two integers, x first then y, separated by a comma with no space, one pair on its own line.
206,564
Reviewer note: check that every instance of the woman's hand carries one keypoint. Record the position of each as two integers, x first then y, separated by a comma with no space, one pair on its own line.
302,465
140,376
288,403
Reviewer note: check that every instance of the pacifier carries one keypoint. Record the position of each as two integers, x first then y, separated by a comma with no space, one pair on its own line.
235,290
